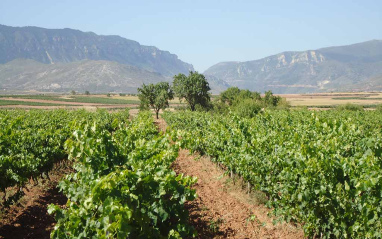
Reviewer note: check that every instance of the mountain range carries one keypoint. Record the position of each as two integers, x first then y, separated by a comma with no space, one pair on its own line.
61,60
33,58
356,67
52,46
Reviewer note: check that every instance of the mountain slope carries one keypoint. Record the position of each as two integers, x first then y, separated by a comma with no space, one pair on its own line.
51,46
327,69
217,85
94,76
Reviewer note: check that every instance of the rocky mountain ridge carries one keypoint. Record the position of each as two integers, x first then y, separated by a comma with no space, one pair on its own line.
51,46
327,69
59,60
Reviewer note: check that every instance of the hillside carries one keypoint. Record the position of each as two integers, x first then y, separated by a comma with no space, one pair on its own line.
52,46
94,76
217,85
355,67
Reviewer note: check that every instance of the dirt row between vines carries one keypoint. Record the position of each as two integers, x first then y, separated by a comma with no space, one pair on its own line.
224,209
28,217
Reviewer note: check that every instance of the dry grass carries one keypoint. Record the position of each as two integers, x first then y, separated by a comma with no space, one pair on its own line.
328,99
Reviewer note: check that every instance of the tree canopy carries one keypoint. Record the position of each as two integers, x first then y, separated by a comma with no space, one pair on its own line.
247,103
193,88
230,95
156,96
233,96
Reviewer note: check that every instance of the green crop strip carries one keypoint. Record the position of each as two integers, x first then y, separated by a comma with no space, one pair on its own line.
17,102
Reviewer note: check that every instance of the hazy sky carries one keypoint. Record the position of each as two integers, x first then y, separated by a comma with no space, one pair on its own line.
204,33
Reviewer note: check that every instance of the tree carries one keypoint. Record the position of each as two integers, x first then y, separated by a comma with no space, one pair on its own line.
248,108
256,96
271,99
87,92
155,96
73,92
193,88
233,96
230,95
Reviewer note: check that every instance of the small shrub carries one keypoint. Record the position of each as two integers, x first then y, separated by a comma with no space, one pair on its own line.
144,107
220,108
204,108
180,107
301,107
248,108
349,106
282,104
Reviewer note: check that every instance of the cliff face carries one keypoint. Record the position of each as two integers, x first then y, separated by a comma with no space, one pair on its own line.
66,45
327,69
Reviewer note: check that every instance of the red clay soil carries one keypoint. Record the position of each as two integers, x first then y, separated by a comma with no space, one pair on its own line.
225,210
28,218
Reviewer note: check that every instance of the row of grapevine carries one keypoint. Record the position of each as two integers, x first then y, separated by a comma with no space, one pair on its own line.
31,142
321,169
123,186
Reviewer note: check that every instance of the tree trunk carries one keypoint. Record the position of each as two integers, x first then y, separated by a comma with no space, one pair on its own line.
157,112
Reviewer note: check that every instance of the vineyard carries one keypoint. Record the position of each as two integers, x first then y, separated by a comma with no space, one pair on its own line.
122,185
319,169
32,142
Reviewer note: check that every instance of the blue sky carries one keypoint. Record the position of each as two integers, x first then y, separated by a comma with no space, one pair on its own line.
204,33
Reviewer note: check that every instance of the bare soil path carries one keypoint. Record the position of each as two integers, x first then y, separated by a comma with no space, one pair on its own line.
225,210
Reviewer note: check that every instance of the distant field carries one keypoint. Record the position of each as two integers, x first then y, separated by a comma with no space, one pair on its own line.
355,98
94,99
78,99
112,102
323,100
26,103
329,100
136,99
